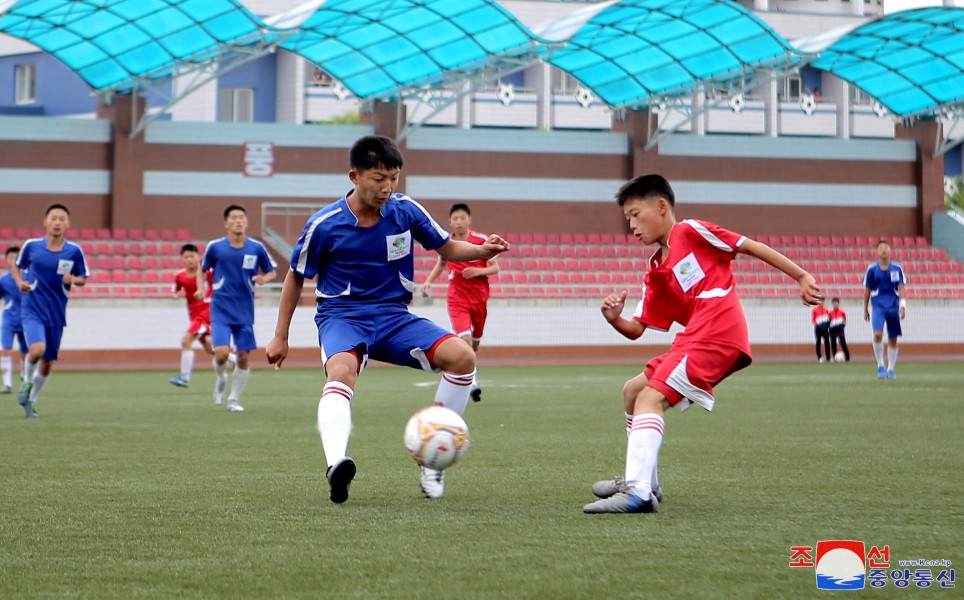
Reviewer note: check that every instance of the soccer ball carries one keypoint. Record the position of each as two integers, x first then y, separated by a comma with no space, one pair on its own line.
436,437
839,357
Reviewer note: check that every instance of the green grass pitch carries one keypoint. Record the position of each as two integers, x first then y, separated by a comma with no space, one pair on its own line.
130,488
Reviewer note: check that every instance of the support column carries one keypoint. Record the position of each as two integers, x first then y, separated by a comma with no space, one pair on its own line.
463,107
291,81
771,108
636,126
761,5
930,172
127,204
857,7
698,117
838,90
542,74
388,119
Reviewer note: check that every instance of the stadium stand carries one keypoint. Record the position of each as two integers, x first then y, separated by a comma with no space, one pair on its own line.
142,264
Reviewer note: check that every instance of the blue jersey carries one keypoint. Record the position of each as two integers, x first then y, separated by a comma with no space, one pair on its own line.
44,270
882,284
10,299
360,265
232,301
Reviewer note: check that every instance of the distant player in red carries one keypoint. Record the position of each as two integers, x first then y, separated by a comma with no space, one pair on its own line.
690,282
199,312
838,321
820,317
468,293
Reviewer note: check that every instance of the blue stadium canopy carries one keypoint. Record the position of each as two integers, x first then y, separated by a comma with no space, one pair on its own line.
376,48
113,44
637,50
912,62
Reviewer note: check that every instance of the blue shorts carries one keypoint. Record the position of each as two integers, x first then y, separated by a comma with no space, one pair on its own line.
38,332
388,333
7,334
221,334
892,319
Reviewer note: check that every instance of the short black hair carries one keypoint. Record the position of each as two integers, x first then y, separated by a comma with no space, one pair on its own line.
460,206
888,244
834,299
188,248
227,211
55,207
12,249
374,151
647,187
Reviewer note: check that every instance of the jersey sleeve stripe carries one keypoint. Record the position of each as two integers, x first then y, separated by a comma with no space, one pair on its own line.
438,228
709,237
268,254
303,253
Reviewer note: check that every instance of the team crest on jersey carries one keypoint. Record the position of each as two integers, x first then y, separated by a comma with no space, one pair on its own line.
250,261
64,267
688,272
895,276
399,246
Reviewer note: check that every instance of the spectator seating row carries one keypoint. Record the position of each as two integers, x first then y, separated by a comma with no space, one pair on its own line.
22,233
809,241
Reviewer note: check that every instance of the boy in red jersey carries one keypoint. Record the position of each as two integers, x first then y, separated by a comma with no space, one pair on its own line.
690,282
838,320
468,293
820,317
199,312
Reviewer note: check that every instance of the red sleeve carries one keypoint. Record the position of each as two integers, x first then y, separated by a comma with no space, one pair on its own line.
648,311
713,236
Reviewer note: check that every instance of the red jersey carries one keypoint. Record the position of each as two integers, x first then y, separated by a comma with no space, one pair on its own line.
468,291
693,286
195,308
838,318
820,316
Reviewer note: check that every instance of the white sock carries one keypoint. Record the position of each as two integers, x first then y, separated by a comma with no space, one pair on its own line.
453,391
879,353
892,357
30,370
642,452
38,384
629,424
334,420
237,383
187,364
23,368
6,365
232,358
221,370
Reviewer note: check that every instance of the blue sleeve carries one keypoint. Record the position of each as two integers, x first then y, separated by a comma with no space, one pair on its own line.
207,263
23,259
265,262
80,265
306,255
867,282
424,228
902,280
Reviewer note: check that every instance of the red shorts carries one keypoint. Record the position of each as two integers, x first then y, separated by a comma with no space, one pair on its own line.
199,327
468,319
689,374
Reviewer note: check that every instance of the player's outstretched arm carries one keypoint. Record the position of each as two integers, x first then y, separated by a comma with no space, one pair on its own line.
277,348
809,291
433,275
612,310
902,311
458,251
264,278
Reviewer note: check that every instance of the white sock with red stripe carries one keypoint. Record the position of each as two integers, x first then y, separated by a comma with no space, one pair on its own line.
187,364
629,424
642,452
453,391
334,420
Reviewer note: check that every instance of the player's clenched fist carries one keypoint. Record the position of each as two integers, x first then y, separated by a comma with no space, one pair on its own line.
613,304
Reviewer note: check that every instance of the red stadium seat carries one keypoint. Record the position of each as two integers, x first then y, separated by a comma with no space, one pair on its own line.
119,234
119,277
512,238
552,238
525,238
608,238
88,234
183,235
594,238
538,238
152,234
22,233
579,238
102,262
167,234
152,277
103,234
565,238
6,233
101,277
135,248
150,262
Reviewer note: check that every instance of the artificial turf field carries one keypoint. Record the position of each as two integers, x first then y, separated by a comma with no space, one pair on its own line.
130,488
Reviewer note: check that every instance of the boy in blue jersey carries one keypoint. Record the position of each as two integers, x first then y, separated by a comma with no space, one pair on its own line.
46,270
360,249
884,290
12,327
238,263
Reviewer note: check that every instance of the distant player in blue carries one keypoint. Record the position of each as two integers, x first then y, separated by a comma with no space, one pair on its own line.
361,250
884,290
12,327
238,263
46,270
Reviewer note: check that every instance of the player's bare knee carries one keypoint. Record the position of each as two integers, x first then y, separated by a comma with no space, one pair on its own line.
243,359
221,354
342,372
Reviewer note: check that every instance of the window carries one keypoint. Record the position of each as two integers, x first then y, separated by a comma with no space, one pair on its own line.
563,83
790,88
858,97
317,77
236,105
26,83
